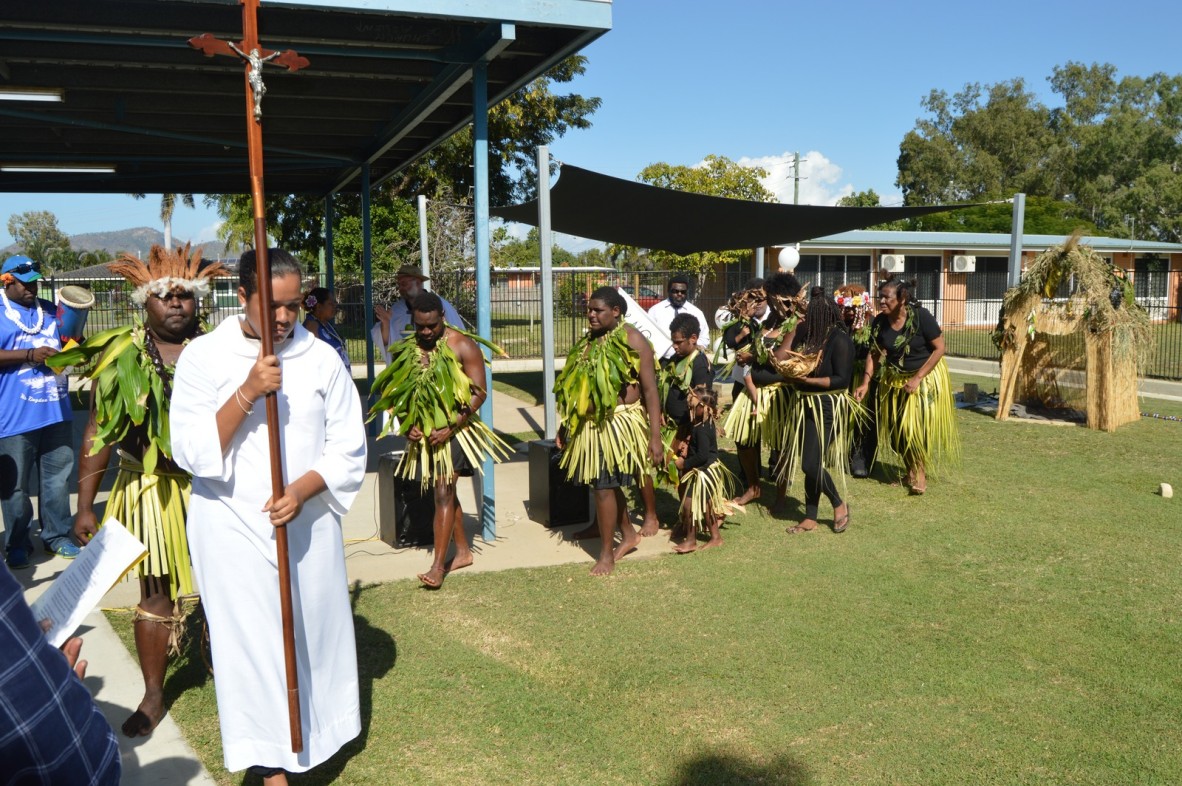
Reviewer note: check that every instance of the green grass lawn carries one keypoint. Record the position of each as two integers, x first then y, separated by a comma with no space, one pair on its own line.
1019,624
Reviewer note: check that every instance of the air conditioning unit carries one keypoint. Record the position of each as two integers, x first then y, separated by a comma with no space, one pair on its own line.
893,263
964,264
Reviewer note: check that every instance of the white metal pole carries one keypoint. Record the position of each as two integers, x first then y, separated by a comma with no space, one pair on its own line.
425,257
547,243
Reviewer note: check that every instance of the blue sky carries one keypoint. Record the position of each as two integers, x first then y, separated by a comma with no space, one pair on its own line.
755,80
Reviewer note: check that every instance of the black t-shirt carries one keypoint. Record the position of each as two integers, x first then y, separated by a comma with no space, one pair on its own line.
703,447
926,330
676,406
837,360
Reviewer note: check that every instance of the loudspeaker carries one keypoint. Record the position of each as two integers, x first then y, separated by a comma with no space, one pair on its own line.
406,511
553,500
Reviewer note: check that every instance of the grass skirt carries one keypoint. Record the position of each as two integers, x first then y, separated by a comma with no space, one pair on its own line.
748,427
153,508
706,490
477,441
847,414
617,445
919,428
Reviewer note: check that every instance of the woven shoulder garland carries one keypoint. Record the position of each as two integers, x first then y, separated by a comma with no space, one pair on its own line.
596,370
131,388
430,390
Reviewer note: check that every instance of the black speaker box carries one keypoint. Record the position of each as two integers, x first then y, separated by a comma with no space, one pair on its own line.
553,500
406,511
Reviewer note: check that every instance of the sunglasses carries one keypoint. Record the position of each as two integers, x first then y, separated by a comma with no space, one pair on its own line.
679,291
26,267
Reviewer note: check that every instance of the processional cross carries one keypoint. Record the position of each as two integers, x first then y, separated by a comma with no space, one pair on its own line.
254,57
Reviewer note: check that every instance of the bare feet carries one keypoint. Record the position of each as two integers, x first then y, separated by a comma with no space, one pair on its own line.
457,562
586,533
687,546
432,579
143,721
604,566
650,527
808,525
920,483
713,543
628,544
751,493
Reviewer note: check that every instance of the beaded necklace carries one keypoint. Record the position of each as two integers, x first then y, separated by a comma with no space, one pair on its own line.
10,312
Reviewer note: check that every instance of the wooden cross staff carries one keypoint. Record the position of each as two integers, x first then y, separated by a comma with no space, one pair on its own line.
255,56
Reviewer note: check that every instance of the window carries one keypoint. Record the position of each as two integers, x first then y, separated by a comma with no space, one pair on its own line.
1149,277
988,282
833,270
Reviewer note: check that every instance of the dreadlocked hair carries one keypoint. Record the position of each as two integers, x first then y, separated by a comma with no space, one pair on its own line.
821,316
704,395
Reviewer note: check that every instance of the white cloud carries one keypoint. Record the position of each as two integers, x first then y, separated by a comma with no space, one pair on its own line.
820,182
208,233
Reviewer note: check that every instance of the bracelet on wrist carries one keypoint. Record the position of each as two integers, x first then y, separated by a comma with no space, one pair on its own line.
239,398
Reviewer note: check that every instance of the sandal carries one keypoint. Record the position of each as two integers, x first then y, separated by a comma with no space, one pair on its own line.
840,524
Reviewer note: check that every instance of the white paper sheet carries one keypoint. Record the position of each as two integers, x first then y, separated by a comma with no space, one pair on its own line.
79,588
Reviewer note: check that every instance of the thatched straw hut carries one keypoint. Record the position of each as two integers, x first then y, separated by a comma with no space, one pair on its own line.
1037,326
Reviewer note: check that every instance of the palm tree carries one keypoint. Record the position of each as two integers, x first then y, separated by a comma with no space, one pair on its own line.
167,205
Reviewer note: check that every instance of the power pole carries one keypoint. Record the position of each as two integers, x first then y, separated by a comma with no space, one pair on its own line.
796,162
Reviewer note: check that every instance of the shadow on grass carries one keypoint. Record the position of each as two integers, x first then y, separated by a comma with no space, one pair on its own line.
376,654
713,769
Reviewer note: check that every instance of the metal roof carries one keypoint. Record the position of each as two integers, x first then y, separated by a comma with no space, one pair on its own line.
388,80
978,241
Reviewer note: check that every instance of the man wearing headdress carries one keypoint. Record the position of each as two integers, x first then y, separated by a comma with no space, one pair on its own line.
132,385
35,418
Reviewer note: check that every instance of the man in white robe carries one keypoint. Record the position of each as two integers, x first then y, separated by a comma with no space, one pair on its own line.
232,541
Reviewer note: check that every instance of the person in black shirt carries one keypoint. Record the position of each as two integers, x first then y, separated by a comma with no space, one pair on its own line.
858,311
908,343
706,484
825,412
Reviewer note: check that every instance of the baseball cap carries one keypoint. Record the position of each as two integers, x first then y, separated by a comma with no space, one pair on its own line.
22,268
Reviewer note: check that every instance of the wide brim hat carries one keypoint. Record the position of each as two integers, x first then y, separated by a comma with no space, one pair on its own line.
12,263
413,272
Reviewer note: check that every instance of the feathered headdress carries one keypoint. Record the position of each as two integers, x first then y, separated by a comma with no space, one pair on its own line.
165,271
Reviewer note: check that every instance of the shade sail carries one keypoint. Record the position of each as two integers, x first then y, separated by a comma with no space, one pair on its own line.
599,207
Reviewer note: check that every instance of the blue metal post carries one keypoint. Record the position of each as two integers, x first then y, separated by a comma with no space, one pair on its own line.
367,268
488,518
329,272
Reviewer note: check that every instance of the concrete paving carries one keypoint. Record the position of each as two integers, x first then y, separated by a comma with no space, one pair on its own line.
114,677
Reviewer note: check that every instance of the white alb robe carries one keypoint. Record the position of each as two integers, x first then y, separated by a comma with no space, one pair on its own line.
233,543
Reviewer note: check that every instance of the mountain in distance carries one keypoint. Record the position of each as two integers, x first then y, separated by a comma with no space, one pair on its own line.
135,241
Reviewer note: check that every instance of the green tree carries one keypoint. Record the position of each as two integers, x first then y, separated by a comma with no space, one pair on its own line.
1109,159
534,115
870,198
715,176
39,238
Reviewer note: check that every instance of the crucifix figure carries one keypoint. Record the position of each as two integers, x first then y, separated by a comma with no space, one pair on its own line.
254,56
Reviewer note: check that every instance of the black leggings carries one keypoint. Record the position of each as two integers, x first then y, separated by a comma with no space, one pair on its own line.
816,478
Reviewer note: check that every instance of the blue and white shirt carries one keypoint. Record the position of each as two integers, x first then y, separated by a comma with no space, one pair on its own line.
31,396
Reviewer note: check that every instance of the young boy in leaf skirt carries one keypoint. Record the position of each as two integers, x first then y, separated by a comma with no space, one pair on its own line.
687,370
706,484
131,368
608,399
434,386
